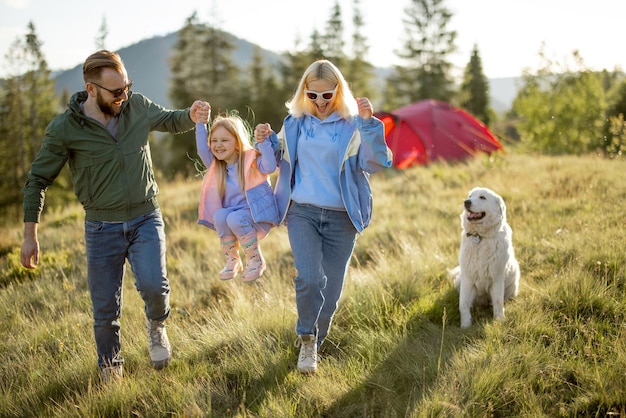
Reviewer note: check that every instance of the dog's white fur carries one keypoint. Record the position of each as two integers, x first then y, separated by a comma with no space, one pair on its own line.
488,270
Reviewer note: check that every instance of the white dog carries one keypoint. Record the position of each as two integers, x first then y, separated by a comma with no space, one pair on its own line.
487,271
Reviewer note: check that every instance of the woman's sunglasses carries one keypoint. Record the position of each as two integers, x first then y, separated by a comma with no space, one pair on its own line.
326,95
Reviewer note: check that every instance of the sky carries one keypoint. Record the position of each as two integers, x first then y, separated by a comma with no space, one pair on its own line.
509,34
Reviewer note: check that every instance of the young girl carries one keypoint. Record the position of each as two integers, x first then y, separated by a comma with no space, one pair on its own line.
328,146
236,199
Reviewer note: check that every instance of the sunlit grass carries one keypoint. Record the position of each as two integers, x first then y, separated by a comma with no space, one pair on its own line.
395,349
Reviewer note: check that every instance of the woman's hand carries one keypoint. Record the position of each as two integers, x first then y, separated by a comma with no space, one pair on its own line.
366,110
262,131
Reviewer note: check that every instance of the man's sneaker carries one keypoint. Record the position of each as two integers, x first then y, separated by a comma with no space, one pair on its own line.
113,370
307,360
160,349
111,374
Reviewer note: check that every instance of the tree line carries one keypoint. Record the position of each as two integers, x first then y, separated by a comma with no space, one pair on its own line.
558,110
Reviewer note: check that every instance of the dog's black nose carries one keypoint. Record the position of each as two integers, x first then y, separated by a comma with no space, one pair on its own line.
467,203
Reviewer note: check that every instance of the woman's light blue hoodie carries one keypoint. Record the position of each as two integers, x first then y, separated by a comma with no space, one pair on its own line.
364,152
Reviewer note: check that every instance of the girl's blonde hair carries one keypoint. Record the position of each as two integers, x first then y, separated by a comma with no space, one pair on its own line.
343,102
238,128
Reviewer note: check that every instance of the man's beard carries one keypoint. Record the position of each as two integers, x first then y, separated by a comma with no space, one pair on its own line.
105,107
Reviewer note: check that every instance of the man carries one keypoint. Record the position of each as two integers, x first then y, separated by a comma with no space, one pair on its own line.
103,135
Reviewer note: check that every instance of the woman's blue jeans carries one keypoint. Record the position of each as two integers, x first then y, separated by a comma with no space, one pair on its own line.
322,242
141,241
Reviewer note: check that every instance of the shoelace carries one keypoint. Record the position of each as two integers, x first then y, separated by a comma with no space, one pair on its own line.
309,350
157,336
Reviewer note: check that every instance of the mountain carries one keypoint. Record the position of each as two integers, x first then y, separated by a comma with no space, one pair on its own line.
147,63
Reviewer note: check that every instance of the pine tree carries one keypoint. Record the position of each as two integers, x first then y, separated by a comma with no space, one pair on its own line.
103,32
425,73
265,105
330,45
474,93
359,72
202,69
315,50
295,63
332,40
221,73
188,64
27,105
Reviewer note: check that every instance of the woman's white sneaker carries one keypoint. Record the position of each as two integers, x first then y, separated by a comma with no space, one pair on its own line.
307,360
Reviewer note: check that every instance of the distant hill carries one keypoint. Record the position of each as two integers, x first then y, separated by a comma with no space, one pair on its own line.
147,63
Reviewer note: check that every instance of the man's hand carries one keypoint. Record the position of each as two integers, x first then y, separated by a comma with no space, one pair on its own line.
29,256
200,112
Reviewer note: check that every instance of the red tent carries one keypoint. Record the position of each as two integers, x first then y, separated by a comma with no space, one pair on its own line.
430,130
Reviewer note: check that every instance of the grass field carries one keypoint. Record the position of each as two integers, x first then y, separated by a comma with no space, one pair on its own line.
395,349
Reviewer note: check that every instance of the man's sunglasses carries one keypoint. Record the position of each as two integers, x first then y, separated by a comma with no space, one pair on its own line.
116,92
326,95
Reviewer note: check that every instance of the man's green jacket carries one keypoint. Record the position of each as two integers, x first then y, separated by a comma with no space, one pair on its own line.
113,178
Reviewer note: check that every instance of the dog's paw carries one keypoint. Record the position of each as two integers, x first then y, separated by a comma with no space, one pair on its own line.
466,316
466,322
498,316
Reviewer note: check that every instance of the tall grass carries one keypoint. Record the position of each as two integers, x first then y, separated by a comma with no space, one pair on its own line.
395,349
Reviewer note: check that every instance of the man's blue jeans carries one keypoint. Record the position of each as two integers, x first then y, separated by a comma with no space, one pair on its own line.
108,246
322,242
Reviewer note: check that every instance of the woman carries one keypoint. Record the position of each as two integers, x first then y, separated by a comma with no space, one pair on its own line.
328,145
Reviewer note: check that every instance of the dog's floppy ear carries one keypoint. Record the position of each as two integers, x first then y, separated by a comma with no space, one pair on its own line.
502,208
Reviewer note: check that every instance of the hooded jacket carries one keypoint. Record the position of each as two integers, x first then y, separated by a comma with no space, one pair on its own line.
113,179
364,152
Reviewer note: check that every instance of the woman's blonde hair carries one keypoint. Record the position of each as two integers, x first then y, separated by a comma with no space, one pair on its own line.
343,102
238,128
